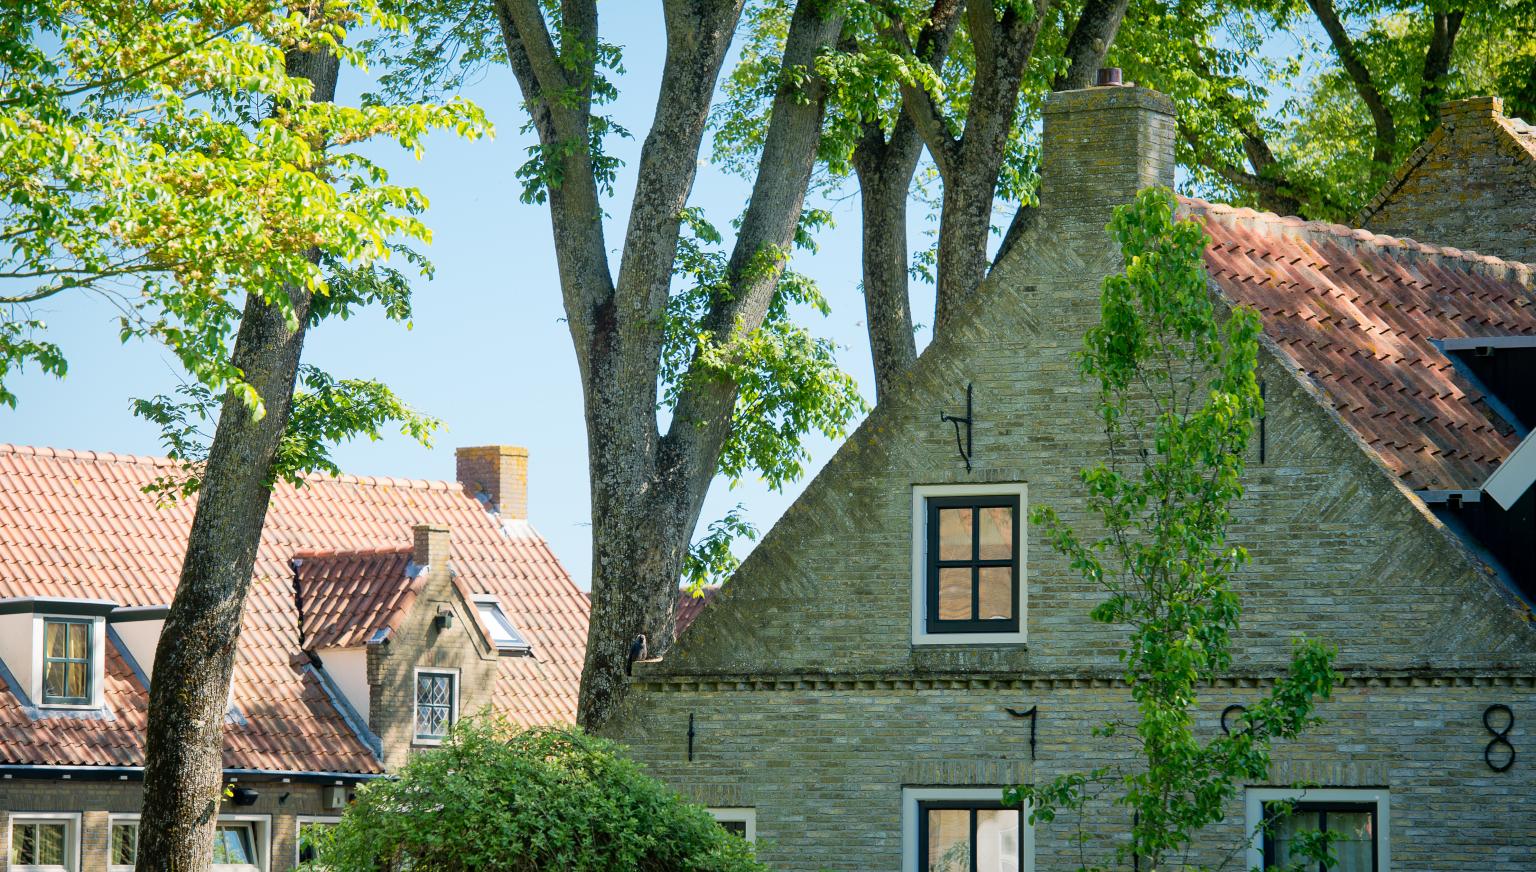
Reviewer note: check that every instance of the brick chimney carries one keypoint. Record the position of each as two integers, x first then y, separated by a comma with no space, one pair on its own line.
429,545
1100,146
497,475
1453,111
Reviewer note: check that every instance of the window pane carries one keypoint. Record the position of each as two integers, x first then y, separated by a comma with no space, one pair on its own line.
1285,831
997,533
232,845
79,641
997,840
55,680
78,677
955,534
50,845
54,638
996,593
949,840
955,594
312,837
125,844
23,843
735,828
1352,833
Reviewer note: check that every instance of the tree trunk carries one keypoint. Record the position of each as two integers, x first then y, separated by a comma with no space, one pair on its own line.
189,698
648,488
1090,41
1003,48
885,177
1437,66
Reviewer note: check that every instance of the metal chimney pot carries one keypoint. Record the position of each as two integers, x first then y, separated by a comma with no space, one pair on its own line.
1108,76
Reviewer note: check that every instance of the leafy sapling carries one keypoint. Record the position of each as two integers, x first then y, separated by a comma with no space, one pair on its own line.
1178,395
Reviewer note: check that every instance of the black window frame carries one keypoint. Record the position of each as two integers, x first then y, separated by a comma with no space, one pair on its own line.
89,661
972,805
452,705
1272,815
932,624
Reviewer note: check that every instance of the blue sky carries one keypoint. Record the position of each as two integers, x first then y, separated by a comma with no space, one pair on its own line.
489,353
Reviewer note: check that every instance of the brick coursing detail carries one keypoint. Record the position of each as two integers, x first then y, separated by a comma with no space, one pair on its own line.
1471,185
811,703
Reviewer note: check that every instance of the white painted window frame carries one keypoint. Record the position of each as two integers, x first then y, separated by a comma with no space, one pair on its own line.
112,821
738,815
920,495
453,714
71,822
262,841
303,819
911,796
262,826
98,660
1258,796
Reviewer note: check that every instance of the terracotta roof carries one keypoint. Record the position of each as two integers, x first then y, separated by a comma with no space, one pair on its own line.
347,597
77,524
1358,313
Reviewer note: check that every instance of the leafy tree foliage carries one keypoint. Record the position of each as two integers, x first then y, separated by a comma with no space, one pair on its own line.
187,161
1178,395
1318,132
536,800
164,159
691,365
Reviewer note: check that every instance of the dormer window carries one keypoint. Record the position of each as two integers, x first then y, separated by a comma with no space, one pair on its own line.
54,649
498,628
67,661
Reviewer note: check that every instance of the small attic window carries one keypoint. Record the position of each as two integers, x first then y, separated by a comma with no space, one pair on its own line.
503,635
67,661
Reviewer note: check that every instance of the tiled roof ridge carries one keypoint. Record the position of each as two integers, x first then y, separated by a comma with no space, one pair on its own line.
382,550
1508,269
152,460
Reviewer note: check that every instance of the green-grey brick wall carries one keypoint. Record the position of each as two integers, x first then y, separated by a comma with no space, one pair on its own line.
812,705
1471,186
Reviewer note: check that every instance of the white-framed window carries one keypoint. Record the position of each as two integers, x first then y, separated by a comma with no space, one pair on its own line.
964,829
68,663
969,579
313,832
437,704
504,637
241,843
122,842
740,821
1358,819
44,842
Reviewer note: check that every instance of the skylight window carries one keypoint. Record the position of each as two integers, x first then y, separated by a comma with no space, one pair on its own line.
503,635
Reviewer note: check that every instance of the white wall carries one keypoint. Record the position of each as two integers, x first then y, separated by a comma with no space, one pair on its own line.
16,647
141,639
348,667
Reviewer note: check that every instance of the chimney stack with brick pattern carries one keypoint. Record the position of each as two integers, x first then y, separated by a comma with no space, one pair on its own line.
1100,146
430,545
498,476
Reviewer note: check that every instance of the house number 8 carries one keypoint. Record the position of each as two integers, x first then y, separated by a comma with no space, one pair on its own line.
1500,737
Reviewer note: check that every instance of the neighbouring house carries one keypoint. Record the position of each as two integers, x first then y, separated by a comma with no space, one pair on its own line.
901,645
381,610
1471,184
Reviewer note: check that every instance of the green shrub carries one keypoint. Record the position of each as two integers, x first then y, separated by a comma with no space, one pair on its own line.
494,798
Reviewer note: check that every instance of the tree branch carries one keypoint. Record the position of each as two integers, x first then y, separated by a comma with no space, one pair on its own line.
1089,43
1365,86
932,47
701,419
698,35
1437,65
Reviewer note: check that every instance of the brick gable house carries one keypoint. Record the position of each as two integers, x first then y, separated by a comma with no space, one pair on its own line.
1471,184
382,609
900,646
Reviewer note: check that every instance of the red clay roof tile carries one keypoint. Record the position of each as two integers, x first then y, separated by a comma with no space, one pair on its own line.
79,524
1358,313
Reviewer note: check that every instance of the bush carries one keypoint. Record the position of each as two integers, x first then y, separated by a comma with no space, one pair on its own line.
494,798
